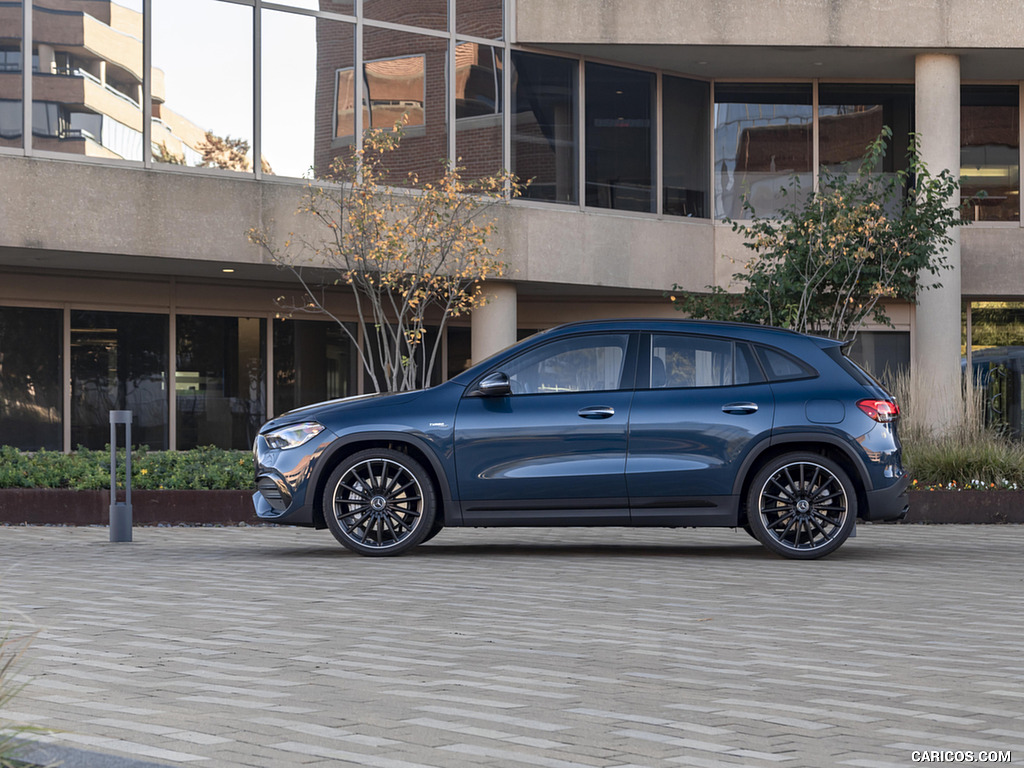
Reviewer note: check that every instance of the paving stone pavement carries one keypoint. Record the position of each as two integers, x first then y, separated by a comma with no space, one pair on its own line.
559,648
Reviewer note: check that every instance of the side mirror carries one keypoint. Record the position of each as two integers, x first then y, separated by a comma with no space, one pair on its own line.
494,385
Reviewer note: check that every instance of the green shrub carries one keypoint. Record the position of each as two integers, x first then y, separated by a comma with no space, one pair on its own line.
83,469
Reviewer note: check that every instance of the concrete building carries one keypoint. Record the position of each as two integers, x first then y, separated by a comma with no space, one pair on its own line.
126,280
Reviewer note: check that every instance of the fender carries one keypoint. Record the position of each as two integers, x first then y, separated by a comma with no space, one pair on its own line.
452,510
802,438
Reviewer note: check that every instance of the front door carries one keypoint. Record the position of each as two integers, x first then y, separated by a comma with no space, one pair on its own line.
553,450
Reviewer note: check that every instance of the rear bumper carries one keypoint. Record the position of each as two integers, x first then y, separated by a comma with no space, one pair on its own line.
887,503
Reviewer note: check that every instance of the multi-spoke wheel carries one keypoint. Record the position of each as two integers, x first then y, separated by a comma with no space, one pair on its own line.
802,505
379,502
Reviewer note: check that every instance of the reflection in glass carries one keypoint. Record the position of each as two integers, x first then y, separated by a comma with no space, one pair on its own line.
10,75
87,98
118,362
763,139
428,14
619,138
30,378
884,354
292,119
851,116
997,359
544,128
479,18
413,58
990,152
202,84
478,109
220,382
686,107
313,361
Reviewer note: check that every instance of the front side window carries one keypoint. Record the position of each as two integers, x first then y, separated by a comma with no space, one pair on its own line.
580,364
680,361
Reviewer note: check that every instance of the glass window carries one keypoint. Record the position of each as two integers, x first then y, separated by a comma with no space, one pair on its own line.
10,75
428,14
679,361
300,55
220,382
405,74
31,370
87,98
202,84
579,364
763,139
313,361
780,366
460,346
990,152
478,109
883,354
620,138
335,6
997,357
686,116
118,362
544,126
479,18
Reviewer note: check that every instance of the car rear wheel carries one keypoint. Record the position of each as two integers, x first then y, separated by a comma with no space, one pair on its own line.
380,502
802,506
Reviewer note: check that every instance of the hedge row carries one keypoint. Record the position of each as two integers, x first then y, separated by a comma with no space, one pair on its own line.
196,469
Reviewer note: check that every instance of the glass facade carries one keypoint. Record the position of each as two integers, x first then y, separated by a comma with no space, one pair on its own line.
545,139
763,143
313,361
11,120
31,372
686,151
619,138
997,359
990,152
220,380
203,103
118,362
479,106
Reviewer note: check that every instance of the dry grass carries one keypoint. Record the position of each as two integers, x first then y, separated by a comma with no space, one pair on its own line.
969,455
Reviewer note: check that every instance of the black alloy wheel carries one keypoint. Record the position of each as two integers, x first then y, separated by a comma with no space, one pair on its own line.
802,506
380,502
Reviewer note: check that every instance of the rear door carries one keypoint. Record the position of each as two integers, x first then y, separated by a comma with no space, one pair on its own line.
701,404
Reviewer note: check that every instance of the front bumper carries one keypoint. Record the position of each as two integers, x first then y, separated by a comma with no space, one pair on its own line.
887,503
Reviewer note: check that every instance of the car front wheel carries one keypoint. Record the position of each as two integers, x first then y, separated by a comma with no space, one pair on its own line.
380,502
802,506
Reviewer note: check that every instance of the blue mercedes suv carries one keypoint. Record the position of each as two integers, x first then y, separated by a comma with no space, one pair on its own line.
614,423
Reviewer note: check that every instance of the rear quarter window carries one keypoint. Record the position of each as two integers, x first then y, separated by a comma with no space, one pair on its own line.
781,366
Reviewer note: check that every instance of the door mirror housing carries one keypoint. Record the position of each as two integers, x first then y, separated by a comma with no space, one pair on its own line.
494,384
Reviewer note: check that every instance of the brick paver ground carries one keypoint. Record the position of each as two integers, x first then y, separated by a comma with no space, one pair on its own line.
569,648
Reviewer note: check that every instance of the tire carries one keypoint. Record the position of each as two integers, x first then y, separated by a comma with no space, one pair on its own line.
435,529
802,506
380,502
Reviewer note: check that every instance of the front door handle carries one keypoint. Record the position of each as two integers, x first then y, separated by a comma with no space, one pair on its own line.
596,412
739,409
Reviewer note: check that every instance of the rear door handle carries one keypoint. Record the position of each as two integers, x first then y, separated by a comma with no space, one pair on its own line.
739,409
596,412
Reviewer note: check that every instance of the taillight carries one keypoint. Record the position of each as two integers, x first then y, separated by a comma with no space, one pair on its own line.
882,411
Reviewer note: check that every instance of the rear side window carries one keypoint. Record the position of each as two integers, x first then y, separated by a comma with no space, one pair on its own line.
680,361
781,366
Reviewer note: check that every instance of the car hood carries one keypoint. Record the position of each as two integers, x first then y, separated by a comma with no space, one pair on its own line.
318,411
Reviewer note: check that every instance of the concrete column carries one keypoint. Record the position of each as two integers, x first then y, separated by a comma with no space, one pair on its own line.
936,363
493,326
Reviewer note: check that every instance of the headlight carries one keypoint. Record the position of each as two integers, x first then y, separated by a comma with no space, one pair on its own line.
293,435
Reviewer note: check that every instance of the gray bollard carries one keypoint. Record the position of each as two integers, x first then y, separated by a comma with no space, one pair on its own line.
121,512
